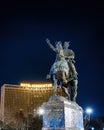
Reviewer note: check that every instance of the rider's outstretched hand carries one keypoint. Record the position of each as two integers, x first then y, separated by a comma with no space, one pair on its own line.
47,40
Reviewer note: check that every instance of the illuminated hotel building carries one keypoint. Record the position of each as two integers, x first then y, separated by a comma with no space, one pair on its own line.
26,97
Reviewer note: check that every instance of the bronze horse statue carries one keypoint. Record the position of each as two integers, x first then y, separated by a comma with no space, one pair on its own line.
65,80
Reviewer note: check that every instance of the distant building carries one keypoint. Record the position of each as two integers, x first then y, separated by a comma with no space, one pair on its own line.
96,123
99,122
26,97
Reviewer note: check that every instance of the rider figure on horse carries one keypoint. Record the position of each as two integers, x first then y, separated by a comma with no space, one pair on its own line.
69,57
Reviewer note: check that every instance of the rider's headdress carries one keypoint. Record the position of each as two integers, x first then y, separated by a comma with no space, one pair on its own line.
67,43
58,42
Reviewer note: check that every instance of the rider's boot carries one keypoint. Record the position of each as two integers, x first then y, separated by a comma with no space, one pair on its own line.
65,81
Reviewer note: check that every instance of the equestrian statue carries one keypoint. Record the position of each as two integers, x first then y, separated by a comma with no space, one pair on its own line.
63,70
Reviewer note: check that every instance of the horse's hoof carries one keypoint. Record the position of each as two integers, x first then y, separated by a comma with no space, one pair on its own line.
67,97
74,100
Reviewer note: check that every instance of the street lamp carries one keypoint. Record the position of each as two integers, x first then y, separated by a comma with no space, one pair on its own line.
92,128
89,111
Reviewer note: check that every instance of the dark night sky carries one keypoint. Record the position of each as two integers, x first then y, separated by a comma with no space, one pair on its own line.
25,56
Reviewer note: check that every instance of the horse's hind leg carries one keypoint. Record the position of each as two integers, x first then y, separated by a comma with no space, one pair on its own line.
75,94
74,87
55,84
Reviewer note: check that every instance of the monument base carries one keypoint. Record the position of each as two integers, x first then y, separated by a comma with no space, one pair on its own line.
62,114
52,129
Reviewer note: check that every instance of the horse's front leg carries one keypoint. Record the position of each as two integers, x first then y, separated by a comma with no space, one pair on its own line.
64,77
66,91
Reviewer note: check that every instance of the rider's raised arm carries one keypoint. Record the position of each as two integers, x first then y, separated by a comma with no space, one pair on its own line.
50,45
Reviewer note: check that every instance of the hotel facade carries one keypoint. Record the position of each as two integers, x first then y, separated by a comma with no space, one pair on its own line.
26,97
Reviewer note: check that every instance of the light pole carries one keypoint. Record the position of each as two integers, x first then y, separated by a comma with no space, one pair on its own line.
89,111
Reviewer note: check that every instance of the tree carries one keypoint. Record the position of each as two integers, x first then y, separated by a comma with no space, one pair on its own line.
19,120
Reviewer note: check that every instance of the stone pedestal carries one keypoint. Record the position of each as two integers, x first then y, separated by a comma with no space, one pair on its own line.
62,115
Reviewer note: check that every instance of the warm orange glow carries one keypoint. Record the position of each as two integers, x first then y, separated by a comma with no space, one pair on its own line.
29,85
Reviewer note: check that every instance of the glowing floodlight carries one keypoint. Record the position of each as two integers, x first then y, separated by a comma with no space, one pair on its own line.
89,110
40,111
92,128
